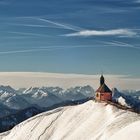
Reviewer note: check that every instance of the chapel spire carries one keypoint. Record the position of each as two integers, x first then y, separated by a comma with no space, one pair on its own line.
102,80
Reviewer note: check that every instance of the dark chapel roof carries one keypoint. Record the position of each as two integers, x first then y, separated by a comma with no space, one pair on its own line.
103,88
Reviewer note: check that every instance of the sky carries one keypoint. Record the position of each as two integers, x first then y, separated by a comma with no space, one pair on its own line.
70,36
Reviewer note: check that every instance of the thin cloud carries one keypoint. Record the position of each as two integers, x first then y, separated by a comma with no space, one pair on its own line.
121,44
114,32
26,79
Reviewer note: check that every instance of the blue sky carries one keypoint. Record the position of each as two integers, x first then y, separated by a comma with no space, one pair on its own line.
70,36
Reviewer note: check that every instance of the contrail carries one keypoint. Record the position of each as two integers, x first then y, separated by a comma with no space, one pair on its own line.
34,50
43,49
68,47
57,25
30,25
36,25
21,51
64,26
121,44
29,34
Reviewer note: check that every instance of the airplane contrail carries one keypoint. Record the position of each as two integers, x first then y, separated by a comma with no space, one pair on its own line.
30,25
36,25
21,51
70,27
52,48
56,24
44,49
29,34
120,44
68,47
34,50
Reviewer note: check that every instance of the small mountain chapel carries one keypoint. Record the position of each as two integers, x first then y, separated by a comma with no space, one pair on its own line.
103,93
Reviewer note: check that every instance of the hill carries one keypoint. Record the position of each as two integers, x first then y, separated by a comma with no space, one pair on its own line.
92,121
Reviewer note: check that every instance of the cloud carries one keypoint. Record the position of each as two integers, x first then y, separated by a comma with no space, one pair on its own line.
81,31
114,32
27,79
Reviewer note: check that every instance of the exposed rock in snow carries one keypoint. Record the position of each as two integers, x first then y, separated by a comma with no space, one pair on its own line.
88,121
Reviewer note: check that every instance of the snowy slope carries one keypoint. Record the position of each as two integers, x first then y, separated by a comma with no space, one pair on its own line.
130,132
88,121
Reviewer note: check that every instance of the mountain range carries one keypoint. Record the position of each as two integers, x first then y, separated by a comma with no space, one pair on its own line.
21,104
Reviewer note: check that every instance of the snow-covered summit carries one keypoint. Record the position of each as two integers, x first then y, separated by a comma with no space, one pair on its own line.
88,121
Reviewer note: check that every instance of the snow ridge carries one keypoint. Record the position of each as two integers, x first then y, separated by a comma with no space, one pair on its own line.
90,121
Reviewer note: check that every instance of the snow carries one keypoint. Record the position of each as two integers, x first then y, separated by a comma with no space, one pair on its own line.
122,101
130,132
28,90
40,94
88,121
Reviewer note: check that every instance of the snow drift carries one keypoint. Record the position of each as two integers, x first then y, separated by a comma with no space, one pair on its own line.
88,121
